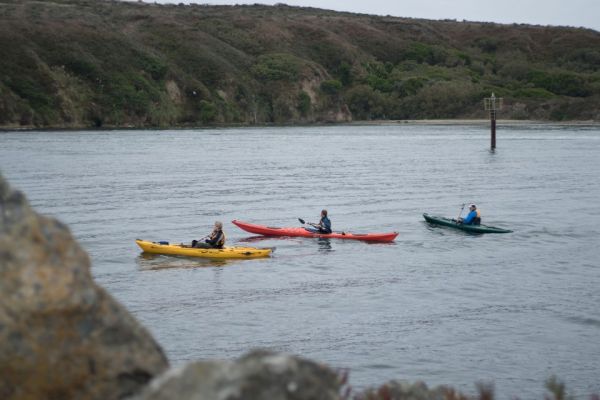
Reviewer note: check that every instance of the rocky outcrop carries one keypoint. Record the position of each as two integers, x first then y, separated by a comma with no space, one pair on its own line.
259,375
62,336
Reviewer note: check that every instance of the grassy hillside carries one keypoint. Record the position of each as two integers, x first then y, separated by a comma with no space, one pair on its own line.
86,63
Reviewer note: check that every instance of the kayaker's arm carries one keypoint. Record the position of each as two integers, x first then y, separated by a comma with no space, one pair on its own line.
217,239
469,218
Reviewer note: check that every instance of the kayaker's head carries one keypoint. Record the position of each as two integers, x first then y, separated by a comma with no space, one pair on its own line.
219,225
472,207
323,213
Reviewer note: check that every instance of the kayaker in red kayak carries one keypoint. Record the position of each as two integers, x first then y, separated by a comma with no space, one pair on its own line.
303,232
216,239
472,218
324,225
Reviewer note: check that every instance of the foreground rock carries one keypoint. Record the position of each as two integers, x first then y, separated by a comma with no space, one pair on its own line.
62,336
259,375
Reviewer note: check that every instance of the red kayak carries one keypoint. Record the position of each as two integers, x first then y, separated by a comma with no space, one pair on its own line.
273,231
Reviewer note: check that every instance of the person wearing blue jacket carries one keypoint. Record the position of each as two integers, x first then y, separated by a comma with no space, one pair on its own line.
324,225
472,218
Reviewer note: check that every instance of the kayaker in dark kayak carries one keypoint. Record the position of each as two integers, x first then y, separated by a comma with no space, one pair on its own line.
216,239
324,225
472,218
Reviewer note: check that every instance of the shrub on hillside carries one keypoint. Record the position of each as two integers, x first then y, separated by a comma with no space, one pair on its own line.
534,93
443,100
409,87
208,111
517,70
379,76
276,67
304,103
331,87
424,53
155,67
344,72
562,83
487,44
366,103
587,59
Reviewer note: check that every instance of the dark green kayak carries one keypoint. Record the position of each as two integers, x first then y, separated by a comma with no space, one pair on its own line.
468,228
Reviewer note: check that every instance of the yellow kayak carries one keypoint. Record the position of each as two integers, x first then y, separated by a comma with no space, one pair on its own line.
225,252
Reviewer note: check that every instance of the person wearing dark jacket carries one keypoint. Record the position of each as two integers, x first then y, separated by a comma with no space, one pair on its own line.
216,239
324,225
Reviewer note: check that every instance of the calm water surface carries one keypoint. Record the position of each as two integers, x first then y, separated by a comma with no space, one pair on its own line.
437,305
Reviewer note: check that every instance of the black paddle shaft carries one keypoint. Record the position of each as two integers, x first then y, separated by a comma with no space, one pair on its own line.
307,223
460,213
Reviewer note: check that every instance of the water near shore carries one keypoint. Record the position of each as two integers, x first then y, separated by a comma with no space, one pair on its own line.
437,305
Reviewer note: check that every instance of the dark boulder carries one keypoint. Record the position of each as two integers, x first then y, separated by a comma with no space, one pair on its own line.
61,335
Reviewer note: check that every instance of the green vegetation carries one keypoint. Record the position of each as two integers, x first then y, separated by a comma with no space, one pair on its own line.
304,103
277,67
332,87
555,390
85,63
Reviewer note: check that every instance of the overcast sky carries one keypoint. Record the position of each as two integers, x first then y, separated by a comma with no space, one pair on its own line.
578,13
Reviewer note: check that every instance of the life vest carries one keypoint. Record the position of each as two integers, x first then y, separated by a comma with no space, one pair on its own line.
325,225
216,239
477,219
221,242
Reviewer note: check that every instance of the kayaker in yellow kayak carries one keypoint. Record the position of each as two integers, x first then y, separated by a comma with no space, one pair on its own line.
472,218
216,239
324,225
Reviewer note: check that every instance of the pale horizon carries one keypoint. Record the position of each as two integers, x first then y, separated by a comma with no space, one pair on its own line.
575,13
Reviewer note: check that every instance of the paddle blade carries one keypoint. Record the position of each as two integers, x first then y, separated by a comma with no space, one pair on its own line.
301,221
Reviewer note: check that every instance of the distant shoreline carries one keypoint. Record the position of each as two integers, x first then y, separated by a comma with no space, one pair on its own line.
430,122
474,122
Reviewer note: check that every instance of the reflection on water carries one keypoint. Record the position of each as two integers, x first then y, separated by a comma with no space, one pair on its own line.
253,239
324,244
150,261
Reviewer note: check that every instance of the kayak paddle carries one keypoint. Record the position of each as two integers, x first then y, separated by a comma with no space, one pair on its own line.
307,223
460,213
315,225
